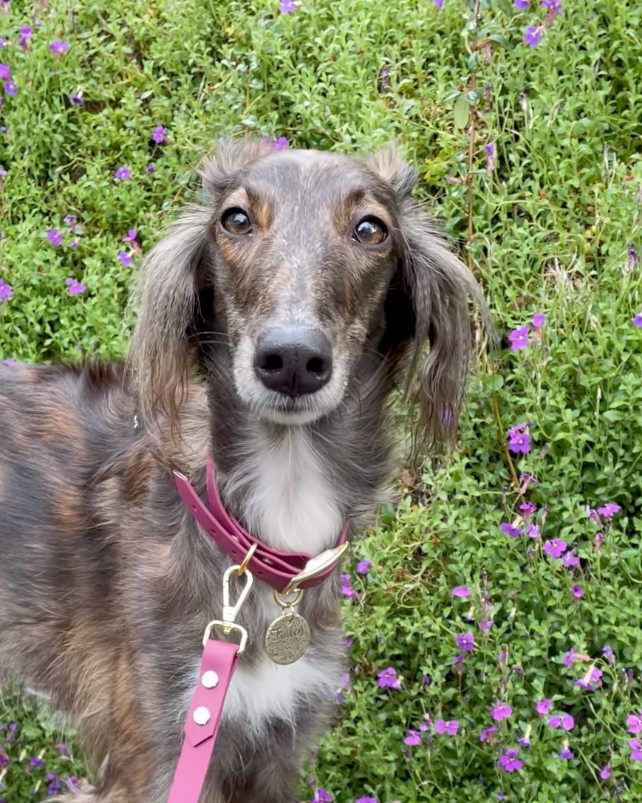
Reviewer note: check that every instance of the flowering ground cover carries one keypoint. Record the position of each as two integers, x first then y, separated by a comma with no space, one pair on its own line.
493,612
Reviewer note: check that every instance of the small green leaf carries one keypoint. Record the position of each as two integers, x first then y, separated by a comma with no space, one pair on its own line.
462,112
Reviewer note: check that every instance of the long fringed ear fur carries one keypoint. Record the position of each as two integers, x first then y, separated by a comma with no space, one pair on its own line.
159,357
439,289
171,276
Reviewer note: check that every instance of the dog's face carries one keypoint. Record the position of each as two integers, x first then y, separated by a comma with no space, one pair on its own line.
305,245
317,272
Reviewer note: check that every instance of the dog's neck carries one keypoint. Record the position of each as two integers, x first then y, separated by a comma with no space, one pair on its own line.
294,487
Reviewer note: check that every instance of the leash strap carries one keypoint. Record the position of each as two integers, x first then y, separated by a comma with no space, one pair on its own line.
203,719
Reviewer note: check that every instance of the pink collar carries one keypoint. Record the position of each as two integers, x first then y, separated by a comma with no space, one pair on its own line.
278,569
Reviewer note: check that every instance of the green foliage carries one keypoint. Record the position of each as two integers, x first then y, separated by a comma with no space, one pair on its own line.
552,224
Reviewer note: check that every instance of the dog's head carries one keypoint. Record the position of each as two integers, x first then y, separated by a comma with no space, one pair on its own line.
313,271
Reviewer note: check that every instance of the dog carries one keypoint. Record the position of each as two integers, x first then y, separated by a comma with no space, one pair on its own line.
276,320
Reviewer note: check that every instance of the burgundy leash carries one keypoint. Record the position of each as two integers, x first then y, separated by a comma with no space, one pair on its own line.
287,573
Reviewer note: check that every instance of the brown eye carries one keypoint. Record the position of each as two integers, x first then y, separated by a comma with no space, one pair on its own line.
236,221
370,231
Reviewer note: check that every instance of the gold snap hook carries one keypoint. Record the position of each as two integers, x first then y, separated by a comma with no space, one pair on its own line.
243,567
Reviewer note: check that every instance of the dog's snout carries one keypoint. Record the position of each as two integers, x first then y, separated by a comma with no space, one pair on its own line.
293,360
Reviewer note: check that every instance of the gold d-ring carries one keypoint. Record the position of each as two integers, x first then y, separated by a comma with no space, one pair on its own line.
241,569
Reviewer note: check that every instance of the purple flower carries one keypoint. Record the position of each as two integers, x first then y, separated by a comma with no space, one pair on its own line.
554,8
322,796
538,320
609,510
519,338
460,591
569,657
451,727
566,753
637,320
524,741
366,800
76,100
123,174
130,236
10,87
73,244
74,287
465,641
6,292
439,4
485,625
287,6
36,761
413,738
459,659
593,676
522,5
510,530
150,169
509,761
570,559
487,734
634,723
346,588
608,651
55,237
69,220
126,260
5,71
489,150
159,134
280,143
565,721
500,711
519,439
636,749
527,508
387,678
605,773
59,47
577,591
363,567
533,35
633,256
542,707
25,35
555,547
532,530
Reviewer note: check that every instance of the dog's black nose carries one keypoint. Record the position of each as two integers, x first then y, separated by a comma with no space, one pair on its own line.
293,360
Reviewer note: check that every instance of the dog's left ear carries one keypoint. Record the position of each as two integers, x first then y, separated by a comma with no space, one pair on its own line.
436,289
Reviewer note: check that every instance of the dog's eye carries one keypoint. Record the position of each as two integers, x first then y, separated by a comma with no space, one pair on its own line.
370,231
236,221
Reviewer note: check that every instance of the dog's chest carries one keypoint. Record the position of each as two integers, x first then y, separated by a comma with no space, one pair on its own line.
288,501
288,498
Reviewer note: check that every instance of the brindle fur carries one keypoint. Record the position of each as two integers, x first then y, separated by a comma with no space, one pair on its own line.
106,582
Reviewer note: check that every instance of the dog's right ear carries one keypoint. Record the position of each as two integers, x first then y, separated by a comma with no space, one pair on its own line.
160,353
171,276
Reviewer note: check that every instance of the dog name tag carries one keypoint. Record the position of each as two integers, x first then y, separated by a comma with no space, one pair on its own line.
287,638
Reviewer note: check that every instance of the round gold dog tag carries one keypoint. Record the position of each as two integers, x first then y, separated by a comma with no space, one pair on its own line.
287,638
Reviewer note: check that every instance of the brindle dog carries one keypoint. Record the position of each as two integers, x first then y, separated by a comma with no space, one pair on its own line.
275,321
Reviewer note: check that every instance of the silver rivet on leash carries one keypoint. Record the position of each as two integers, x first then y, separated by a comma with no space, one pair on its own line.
210,679
201,715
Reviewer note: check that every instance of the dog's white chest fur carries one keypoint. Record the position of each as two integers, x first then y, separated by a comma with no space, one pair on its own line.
290,504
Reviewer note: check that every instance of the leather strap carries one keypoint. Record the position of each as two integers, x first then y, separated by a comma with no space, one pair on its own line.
274,567
219,658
